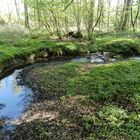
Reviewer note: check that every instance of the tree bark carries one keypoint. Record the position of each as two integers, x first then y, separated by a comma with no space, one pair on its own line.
134,21
125,15
26,15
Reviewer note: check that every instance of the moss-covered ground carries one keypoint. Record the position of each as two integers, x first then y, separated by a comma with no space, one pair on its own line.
88,101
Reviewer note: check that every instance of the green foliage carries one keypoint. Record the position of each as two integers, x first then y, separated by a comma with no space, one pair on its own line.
2,22
111,122
119,82
136,100
114,86
22,46
126,47
54,80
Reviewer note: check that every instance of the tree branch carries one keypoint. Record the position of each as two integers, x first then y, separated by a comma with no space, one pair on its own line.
68,5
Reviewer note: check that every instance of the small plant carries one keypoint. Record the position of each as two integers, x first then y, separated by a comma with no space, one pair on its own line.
111,122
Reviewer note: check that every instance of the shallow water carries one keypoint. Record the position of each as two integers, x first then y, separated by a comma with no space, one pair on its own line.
98,60
92,59
13,96
136,58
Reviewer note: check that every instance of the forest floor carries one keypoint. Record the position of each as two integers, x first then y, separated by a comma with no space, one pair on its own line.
82,101
79,100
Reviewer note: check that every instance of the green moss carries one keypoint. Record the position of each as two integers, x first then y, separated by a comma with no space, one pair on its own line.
108,82
114,86
54,80
122,46
21,47
116,81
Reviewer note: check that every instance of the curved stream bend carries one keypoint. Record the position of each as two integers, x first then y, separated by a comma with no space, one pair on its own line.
15,97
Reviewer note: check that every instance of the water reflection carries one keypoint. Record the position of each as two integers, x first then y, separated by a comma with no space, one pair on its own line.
97,58
13,96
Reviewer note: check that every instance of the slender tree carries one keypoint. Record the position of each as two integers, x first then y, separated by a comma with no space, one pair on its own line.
134,19
17,9
26,15
125,15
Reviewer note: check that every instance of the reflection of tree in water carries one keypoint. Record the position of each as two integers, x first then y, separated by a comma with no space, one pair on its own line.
27,98
22,91
16,89
2,119
12,84
1,84
1,106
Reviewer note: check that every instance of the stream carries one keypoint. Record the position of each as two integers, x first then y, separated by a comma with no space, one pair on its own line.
15,97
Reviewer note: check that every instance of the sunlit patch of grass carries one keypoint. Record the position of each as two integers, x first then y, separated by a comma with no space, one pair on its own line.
112,122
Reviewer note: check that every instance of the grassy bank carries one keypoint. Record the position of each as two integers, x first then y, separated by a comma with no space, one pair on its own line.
93,102
26,45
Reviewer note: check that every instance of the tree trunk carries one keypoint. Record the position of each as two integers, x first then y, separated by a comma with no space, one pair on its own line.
125,15
26,15
134,21
17,10
108,20
116,25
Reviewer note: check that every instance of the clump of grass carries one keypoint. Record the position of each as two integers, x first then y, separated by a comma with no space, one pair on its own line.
54,81
111,83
